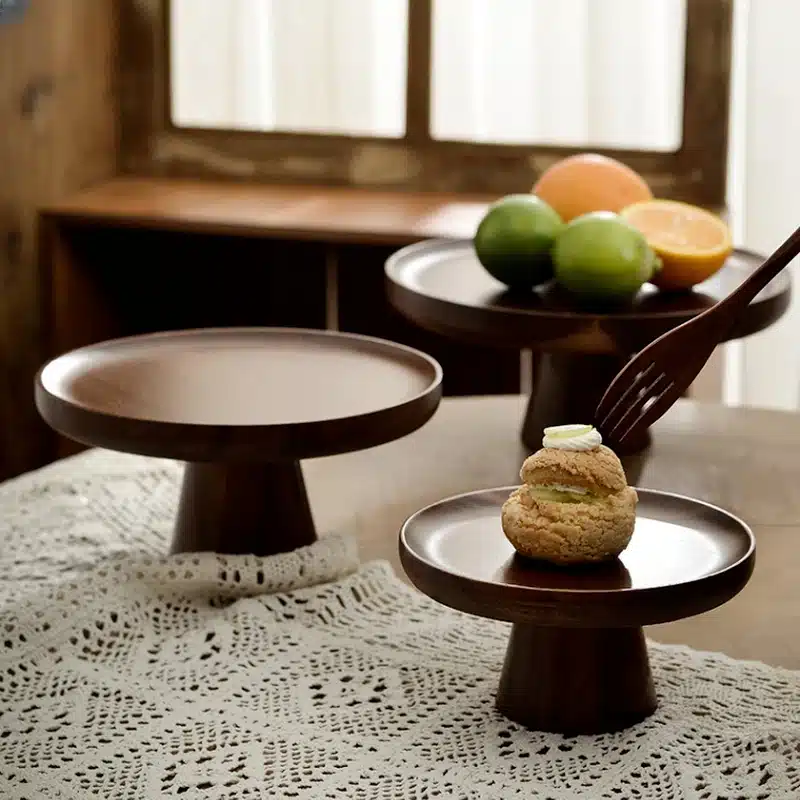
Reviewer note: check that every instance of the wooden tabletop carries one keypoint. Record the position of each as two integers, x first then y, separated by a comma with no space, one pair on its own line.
311,213
746,461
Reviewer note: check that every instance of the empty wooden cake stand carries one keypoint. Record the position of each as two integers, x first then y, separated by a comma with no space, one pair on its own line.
577,661
440,286
242,406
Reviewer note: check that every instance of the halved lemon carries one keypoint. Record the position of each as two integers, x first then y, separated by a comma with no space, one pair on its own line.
692,243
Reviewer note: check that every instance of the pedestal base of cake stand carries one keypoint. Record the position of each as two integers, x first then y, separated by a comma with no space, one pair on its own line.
576,680
233,508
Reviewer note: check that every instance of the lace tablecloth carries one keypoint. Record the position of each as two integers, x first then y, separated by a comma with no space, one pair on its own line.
124,674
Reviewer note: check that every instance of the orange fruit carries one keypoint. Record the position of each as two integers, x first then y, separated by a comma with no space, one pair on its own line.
692,243
580,184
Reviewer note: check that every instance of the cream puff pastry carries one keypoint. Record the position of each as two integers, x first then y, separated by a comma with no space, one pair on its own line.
574,505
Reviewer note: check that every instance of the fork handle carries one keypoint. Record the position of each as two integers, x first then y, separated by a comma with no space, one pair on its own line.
778,261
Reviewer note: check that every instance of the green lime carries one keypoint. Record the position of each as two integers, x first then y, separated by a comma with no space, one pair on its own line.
514,239
599,256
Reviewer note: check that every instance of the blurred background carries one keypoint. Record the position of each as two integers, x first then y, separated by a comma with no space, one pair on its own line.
580,73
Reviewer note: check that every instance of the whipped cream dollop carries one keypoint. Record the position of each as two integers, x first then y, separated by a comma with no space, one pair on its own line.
572,437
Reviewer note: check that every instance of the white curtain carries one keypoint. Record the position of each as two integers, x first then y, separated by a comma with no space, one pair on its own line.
572,72
332,66
764,370
580,72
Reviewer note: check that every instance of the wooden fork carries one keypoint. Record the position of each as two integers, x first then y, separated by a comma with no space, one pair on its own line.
658,375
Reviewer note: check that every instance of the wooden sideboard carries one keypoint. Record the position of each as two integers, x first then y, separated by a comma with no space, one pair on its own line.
134,255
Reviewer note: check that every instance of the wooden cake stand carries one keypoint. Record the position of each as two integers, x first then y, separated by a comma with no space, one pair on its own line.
241,406
577,661
441,286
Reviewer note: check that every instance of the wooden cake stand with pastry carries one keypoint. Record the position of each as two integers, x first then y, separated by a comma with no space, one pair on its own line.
579,562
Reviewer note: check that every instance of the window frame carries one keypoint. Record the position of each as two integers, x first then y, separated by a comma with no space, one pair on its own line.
152,145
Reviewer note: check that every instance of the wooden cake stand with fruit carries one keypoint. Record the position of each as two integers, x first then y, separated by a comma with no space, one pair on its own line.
442,287
570,272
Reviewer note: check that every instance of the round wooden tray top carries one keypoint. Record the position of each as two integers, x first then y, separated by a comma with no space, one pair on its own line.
577,661
242,406
442,287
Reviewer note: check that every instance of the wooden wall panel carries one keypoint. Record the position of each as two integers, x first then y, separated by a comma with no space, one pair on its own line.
58,119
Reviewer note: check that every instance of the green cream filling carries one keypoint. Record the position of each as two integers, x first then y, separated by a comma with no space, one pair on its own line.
561,495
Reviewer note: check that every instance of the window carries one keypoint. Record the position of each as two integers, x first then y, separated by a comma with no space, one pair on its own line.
316,66
463,95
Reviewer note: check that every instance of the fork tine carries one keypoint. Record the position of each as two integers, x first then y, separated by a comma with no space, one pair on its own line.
633,410
626,377
611,417
653,412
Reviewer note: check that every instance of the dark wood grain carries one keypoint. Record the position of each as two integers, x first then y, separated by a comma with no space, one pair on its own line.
314,213
576,681
242,406
418,72
59,123
706,98
576,661
232,508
